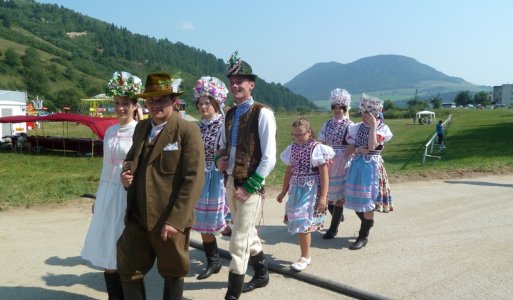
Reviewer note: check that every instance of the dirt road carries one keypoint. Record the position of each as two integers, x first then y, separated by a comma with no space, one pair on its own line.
446,240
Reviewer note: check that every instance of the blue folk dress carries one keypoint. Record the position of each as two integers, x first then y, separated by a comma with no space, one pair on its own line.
211,208
363,176
301,215
333,133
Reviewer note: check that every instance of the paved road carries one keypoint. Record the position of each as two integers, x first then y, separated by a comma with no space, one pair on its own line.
446,240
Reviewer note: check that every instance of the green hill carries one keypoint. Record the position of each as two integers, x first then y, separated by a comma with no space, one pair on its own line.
393,77
64,56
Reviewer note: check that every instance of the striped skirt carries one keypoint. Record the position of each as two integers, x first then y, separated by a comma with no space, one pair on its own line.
337,175
362,183
211,208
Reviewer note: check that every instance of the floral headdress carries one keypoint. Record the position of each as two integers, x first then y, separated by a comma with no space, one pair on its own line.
174,83
123,84
370,104
211,87
340,97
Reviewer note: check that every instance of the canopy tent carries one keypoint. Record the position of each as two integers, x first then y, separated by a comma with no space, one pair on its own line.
429,114
97,125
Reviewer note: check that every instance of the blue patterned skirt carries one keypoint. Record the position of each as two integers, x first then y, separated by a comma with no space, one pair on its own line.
211,208
362,183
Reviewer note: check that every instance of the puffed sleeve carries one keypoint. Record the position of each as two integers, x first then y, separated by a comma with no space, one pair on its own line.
351,133
321,136
321,155
285,155
384,134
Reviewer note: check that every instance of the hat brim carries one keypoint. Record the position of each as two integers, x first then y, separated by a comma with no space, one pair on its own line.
158,93
242,75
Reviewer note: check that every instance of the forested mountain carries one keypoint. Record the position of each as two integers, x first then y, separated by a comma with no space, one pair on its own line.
64,56
390,76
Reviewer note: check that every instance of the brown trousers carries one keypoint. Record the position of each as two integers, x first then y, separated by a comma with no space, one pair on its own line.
137,249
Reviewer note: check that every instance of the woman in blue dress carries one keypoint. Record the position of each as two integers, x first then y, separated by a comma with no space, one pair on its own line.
366,140
210,211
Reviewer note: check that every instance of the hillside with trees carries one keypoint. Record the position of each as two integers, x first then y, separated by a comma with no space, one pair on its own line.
63,56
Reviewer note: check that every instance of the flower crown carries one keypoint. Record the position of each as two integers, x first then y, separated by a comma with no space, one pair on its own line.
340,97
370,104
211,87
123,84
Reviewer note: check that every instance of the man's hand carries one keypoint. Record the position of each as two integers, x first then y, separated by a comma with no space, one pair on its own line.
168,231
222,163
241,194
126,178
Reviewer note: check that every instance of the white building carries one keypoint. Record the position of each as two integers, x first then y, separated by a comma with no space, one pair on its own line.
12,103
503,94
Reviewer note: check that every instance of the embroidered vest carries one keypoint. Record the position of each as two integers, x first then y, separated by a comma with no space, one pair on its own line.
249,153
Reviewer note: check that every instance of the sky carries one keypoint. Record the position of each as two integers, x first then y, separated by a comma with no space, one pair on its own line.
280,39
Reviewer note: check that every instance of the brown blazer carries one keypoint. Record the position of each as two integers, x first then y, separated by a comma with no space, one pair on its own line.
174,178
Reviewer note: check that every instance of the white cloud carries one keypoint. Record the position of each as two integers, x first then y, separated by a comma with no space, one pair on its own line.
187,26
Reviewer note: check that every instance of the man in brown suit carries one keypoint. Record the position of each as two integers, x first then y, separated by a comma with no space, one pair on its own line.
164,176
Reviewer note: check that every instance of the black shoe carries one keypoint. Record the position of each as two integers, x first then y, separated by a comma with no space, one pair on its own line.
235,282
261,276
359,243
329,235
213,262
213,268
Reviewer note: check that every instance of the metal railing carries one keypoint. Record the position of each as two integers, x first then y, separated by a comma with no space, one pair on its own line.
429,147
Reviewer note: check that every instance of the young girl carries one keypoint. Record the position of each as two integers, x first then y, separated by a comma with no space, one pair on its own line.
362,181
333,133
109,208
210,94
306,180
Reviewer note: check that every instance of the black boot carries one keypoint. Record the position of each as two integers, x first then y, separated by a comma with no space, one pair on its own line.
113,283
173,289
361,241
235,283
337,216
213,264
261,276
134,290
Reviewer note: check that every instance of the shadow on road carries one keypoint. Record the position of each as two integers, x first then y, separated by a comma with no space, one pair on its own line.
482,183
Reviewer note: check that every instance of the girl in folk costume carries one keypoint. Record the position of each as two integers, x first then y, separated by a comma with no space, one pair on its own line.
306,181
210,211
366,139
384,199
333,133
109,208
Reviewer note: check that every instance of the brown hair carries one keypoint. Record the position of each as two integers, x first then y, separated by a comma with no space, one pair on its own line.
213,102
304,123
344,108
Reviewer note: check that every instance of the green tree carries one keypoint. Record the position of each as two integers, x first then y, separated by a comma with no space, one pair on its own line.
463,98
388,105
12,59
481,98
436,102
34,74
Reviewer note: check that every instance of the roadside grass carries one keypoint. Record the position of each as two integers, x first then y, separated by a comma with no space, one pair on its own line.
478,142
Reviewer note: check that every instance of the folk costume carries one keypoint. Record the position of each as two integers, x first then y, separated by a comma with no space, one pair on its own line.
107,222
250,145
211,208
301,214
333,133
362,183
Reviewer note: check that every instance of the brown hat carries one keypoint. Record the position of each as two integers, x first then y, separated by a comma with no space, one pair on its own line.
160,84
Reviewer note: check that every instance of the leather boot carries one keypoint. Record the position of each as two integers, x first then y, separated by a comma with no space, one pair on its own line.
113,283
235,283
361,241
173,289
213,263
134,290
337,216
261,276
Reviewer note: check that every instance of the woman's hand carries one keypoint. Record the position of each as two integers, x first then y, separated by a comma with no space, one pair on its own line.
281,195
322,204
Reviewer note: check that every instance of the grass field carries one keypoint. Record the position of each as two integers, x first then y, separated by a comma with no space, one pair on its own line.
478,141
